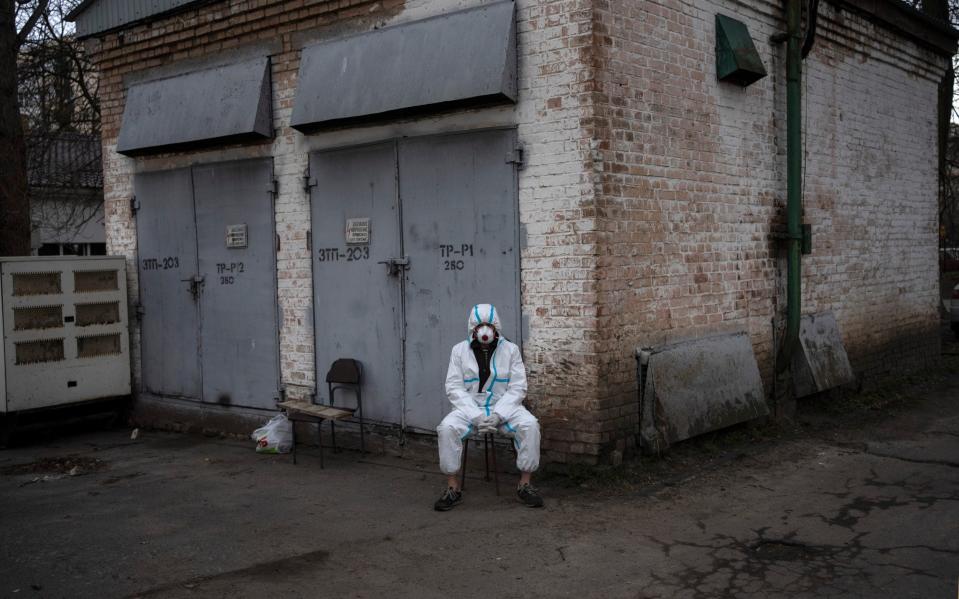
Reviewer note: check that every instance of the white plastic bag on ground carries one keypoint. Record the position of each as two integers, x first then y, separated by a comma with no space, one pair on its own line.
276,436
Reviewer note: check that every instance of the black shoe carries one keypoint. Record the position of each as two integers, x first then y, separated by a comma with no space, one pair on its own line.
450,499
529,496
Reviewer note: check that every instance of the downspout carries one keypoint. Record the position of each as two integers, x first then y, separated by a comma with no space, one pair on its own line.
796,49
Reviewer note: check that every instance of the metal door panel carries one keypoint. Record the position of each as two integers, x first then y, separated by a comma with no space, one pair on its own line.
239,334
166,249
460,232
356,303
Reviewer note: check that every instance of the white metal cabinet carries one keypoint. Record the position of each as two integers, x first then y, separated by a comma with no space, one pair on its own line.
65,331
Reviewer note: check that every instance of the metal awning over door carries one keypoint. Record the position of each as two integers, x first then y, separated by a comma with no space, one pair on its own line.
224,104
407,235
462,58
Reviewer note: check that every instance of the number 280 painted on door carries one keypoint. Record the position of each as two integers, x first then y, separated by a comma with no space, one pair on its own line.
449,250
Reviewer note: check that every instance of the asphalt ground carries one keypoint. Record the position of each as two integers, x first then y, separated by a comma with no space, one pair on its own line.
858,498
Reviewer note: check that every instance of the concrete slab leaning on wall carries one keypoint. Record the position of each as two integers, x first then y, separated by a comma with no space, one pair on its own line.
821,362
697,386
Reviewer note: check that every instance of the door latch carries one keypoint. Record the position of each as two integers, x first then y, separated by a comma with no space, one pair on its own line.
196,284
395,265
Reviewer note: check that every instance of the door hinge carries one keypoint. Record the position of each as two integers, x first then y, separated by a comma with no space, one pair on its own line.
134,205
309,241
517,157
277,241
138,310
308,183
274,187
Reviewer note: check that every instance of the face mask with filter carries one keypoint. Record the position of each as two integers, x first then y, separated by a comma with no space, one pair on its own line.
485,334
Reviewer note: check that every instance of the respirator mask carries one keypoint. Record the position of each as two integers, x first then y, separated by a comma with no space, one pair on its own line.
485,334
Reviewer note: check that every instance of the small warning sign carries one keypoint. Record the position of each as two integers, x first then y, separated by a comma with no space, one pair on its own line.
357,231
236,237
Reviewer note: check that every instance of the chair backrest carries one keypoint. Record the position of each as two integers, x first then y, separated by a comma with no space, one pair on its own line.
345,370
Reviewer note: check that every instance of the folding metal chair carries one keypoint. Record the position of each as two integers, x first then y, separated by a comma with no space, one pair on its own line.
345,373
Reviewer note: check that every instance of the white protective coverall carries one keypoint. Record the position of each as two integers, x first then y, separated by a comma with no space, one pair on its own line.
502,394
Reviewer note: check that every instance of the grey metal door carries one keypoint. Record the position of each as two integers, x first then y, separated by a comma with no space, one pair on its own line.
449,241
356,299
460,230
167,265
236,243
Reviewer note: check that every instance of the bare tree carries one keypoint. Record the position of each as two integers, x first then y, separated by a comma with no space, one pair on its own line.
17,21
57,90
61,115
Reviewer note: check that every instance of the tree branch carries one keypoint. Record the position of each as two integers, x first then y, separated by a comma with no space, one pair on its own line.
38,11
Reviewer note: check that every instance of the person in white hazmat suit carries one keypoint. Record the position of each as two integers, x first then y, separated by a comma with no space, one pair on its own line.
486,383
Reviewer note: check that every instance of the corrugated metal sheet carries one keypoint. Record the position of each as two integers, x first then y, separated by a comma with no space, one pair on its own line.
466,57
95,16
64,159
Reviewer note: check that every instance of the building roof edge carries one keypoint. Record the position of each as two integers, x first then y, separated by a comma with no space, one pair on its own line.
914,24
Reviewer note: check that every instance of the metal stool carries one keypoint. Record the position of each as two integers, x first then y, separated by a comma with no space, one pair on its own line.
488,448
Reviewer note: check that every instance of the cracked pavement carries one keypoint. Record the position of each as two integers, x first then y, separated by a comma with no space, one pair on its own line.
869,511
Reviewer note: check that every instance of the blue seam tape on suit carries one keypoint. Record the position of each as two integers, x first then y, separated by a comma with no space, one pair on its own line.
512,430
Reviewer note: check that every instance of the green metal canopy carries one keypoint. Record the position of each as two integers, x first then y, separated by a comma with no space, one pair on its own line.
737,60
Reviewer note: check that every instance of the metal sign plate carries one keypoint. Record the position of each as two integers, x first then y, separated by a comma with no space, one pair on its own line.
357,230
236,237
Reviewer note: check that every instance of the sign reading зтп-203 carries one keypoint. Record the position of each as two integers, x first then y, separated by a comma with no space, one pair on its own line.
166,263
350,254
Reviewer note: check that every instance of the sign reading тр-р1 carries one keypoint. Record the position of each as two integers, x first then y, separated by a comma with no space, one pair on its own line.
357,230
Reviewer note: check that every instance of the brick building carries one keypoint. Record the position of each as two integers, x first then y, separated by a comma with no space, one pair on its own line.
575,162
65,177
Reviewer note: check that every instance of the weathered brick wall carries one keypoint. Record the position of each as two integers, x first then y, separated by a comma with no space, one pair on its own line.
872,182
693,183
650,189
559,291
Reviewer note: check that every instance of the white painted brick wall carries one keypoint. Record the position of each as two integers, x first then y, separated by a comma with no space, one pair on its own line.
649,191
694,183
558,261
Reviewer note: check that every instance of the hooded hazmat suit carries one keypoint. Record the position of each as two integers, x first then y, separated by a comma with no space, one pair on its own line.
502,393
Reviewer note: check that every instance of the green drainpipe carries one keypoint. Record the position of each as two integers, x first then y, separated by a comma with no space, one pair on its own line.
793,182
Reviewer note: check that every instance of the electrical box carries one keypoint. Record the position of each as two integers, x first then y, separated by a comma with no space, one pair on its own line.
65,331
737,60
